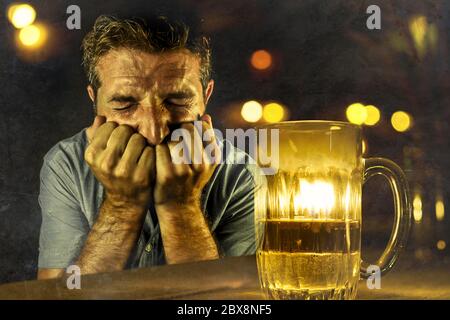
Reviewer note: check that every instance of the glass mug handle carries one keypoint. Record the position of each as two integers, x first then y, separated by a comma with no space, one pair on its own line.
402,203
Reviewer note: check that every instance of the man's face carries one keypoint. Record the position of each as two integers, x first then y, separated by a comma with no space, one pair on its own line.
150,92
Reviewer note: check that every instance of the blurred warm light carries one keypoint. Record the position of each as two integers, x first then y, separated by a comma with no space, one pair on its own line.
364,147
33,36
417,208
373,115
252,111
440,210
273,112
314,198
21,15
418,27
261,60
356,113
441,245
401,121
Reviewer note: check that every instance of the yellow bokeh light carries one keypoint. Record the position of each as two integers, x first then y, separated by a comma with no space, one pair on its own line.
356,113
417,208
261,60
32,36
441,245
440,210
21,15
11,9
251,111
401,121
373,115
273,112
418,27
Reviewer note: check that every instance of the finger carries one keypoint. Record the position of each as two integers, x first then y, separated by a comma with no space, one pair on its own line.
208,132
98,121
179,168
118,140
212,153
134,148
147,163
163,162
102,135
194,143
181,139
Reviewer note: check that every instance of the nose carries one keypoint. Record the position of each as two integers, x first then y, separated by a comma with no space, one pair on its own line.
154,125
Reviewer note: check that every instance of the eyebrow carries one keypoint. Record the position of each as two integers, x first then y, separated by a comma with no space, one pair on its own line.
122,98
181,94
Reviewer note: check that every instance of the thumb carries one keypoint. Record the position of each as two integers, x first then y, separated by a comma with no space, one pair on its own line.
98,121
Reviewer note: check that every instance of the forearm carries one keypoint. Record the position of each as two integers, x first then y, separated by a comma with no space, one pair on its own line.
112,238
186,235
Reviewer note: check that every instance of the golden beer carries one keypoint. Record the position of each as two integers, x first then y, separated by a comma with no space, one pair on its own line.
309,259
308,210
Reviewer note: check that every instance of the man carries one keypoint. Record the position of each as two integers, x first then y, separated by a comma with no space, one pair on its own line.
111,196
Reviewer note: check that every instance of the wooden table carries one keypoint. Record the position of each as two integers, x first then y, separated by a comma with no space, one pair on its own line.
230,278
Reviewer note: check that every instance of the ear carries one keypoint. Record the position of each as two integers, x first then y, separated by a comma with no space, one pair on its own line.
91,92
209,91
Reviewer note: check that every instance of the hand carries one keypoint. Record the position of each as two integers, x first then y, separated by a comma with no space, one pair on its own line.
122,161
180,184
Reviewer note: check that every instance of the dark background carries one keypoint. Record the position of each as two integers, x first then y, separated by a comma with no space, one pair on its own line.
324,59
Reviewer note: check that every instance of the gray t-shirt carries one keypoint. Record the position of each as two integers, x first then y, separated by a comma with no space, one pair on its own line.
70,197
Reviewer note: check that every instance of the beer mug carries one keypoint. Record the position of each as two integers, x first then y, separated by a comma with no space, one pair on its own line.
308,210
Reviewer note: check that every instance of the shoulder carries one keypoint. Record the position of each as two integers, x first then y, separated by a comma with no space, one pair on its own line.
68,151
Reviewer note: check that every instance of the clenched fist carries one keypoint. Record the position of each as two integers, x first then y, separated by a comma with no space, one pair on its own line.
122,162
180,184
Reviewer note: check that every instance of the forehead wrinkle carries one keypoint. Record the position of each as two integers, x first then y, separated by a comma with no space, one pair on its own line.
144,71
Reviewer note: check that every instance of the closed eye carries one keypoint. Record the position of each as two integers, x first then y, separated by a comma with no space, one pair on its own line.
122,102
125,107
177,102
179,99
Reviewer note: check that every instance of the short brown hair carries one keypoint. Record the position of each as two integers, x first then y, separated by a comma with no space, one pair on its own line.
156,34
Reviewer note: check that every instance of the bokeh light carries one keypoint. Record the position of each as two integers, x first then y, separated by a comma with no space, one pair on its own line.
441,245
417,208
401,121
418,27
356,113
273,112
373,115
21,15
261,60
33,36
252,111
440,210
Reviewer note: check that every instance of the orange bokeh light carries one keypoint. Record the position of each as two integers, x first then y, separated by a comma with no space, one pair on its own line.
261,60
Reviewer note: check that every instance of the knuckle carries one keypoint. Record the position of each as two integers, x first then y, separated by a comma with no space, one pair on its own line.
110,125
137,138
200,167
121,172
164,179
89,155
124,129
140,179
107,164
185,174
